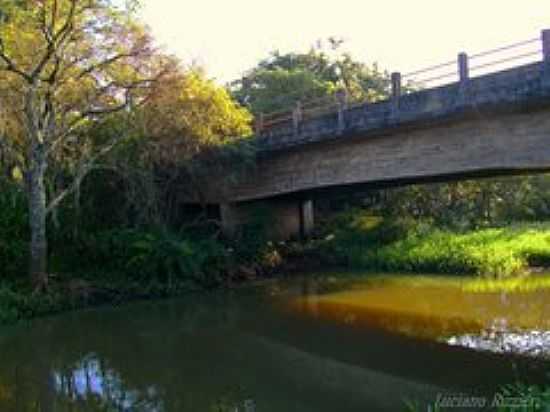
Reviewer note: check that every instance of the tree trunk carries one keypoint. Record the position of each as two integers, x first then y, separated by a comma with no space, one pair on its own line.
39,119
37,215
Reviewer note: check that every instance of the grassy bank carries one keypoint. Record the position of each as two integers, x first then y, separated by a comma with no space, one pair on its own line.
367,242
115,266
489,252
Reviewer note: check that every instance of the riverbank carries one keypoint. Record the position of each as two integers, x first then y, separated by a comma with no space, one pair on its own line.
127,265
19,301
371,243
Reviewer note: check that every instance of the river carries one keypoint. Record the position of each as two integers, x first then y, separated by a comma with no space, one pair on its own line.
312,344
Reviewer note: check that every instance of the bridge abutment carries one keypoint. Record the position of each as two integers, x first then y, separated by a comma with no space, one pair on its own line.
282,218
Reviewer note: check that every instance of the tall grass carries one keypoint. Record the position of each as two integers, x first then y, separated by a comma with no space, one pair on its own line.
372,243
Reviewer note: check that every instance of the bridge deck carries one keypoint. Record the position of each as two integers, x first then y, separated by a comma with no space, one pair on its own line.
507,90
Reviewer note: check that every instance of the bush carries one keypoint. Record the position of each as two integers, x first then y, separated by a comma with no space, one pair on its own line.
14,232
17,303
369,242
155,255
495,252
350,235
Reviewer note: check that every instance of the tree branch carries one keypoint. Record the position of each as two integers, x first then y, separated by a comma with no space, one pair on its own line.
106,62
10,65
53,40
83,171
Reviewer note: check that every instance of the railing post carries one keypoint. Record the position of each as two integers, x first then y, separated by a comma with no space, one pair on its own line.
463,68
259,126
545,35
342,102
395,90
297,117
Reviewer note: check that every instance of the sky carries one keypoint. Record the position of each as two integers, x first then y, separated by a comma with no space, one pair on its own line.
228,37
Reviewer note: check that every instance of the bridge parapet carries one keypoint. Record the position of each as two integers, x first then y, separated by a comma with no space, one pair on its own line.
515,86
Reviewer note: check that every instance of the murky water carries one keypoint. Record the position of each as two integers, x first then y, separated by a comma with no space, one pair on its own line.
302,345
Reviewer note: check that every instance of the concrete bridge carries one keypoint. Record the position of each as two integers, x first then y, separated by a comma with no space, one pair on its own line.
493,124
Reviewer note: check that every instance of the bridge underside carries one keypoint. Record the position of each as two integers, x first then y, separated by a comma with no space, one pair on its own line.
474,146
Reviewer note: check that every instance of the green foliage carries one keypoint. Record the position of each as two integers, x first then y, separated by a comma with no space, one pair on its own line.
281,89
18,303
349,235
365,241
281,80
251,241
13,229
10,305
471,203
532,398
157,255
491,252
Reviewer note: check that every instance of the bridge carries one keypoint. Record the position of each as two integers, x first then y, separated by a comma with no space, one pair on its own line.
485,119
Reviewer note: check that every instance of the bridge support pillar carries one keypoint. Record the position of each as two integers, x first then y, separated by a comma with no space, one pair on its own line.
283,219
229,217
307,218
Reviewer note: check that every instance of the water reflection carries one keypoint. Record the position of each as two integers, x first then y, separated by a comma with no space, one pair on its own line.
430,308
529,343
90,383
290,346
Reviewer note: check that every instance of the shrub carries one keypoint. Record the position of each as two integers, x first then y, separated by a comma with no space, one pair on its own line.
155,255
14,231
369,242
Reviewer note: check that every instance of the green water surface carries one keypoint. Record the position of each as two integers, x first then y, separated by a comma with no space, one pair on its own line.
319,344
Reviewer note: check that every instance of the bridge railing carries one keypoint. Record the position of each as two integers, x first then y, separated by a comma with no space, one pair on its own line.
458,70
302,111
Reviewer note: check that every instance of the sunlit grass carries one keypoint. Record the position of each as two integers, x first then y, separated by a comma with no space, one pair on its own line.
510,285
519,283
495,252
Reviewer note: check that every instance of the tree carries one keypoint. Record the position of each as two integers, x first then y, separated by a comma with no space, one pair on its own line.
279,81
67,65
179,134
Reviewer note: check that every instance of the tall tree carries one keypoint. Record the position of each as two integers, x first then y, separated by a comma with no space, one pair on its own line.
188,127
279,81
66,65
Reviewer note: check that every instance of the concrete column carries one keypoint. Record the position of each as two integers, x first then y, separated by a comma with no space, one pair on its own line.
229,218
297,117
307,218
259,126
545,35
342,102
463,76
395,90
463,68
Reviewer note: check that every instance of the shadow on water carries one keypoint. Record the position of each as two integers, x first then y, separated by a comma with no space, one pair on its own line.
303,345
